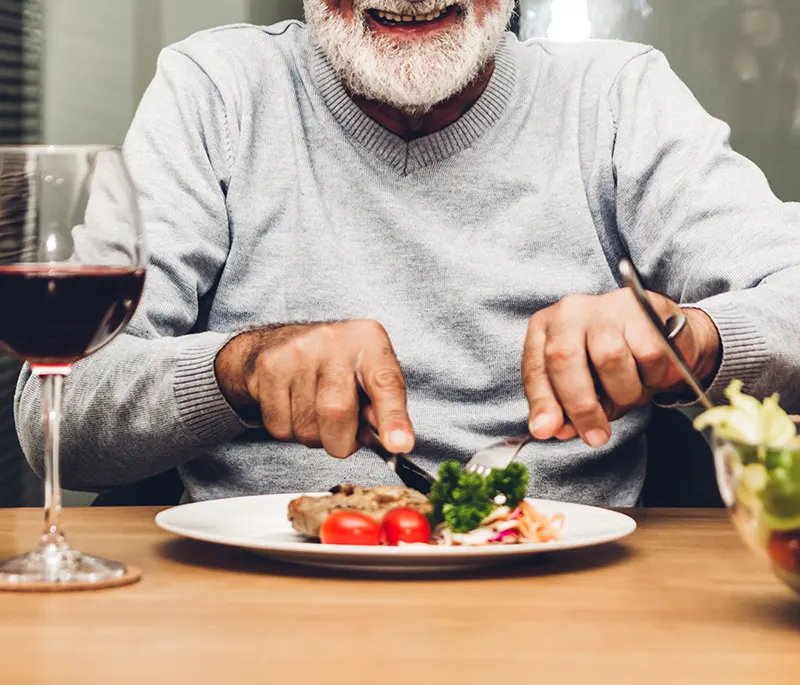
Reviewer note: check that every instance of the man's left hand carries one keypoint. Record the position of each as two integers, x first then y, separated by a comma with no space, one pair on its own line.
591,358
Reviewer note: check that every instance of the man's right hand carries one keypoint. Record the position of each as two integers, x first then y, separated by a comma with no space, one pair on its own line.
305,380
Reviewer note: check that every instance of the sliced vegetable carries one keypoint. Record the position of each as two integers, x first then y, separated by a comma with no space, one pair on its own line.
462,500
784,551
350,528
505,534
405,525
748,421
766,460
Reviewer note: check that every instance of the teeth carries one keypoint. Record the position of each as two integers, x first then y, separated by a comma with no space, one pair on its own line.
405,18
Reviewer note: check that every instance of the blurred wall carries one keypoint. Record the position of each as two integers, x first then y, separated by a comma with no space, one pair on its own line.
100,56
266,12
741,58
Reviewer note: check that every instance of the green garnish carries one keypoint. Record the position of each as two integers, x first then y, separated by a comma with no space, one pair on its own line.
468,504
512,482
749,421
463,500
767,450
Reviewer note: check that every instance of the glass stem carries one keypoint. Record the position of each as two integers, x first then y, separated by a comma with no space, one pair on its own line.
52,391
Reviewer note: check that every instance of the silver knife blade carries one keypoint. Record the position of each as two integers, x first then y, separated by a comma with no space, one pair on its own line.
413,476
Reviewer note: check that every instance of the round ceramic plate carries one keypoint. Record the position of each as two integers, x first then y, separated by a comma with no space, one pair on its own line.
260,524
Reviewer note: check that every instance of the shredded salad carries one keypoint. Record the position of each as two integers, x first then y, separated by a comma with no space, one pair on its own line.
472,510
505,526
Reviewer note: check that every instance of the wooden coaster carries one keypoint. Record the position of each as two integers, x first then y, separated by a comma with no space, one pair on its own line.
132,575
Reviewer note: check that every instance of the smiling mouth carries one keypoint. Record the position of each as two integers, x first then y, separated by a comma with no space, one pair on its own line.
390,19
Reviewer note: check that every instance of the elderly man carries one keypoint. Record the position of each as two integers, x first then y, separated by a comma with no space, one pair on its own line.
399,212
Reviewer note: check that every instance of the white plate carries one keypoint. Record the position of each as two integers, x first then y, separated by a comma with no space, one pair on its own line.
260,524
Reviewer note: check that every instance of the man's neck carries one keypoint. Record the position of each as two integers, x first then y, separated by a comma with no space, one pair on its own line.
409,126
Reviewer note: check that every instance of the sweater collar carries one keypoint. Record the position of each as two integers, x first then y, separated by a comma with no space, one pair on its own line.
406,157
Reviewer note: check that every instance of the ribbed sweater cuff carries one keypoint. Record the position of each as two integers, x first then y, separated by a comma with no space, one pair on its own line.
744,350
201,404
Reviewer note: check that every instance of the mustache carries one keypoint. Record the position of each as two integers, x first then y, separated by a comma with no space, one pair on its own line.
409,7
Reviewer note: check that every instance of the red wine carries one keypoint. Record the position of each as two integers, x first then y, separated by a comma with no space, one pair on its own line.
59,314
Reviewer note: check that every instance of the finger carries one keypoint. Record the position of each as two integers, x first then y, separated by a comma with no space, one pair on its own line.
271,390
545,415
614,365
337,410
568,369
654,367
379,374
303,393
567,432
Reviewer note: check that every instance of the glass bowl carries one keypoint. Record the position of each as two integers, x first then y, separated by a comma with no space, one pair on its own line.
760,485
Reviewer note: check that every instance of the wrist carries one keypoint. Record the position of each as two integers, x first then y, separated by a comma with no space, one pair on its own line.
709,345
230,369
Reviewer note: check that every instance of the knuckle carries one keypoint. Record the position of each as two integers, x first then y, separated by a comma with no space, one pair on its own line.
584,409
319,337
265,365
305,427
279,431
650,356
535,341
536,324
335,411
573,302
560,353
388,380
394,416
371,328
542,401
610,356
279,363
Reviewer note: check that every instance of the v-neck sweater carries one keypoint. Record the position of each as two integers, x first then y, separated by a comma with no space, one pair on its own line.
269,197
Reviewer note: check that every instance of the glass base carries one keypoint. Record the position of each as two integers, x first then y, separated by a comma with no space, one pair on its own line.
58,564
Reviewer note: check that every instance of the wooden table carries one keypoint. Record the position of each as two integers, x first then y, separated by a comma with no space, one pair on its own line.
681,602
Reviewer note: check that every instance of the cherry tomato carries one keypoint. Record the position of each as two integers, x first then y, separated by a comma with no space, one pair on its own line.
784,551
405,525
350,528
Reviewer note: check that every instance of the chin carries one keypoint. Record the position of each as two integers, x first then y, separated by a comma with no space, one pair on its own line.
410,63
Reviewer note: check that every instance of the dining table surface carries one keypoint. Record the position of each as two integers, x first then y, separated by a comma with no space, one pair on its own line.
680,601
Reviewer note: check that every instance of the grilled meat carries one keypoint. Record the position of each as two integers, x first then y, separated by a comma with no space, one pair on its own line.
307,513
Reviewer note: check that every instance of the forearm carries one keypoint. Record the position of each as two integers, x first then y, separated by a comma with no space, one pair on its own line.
704,228
135,409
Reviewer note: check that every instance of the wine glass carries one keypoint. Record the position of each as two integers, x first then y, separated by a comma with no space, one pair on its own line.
72,269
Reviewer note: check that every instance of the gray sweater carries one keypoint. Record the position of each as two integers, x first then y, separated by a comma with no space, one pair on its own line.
270,197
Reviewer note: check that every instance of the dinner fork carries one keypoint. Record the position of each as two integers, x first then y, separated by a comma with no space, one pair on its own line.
500,455
497,456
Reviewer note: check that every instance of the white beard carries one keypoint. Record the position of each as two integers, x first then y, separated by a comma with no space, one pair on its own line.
411,75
